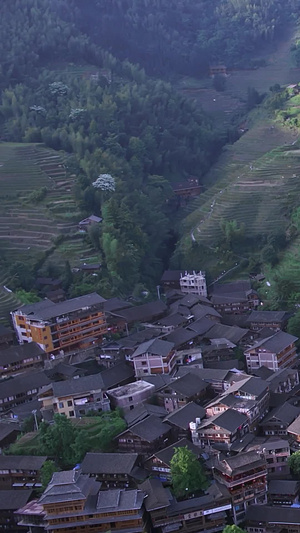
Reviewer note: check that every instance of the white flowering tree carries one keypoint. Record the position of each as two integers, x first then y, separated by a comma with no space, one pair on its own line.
57,88
75,113
105,182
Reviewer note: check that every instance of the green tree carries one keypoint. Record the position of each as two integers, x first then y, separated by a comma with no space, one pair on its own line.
47,471
233,529
293,327
58,439
187,472
294,464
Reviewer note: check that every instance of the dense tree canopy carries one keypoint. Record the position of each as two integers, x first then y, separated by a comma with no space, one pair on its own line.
187,473
184,37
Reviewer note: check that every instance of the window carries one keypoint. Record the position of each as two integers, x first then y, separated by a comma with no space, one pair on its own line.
130,398
71,413
61,405
70,403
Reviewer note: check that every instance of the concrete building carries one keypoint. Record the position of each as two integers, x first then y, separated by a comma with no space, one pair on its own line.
129,396
194,283
65,326
275,352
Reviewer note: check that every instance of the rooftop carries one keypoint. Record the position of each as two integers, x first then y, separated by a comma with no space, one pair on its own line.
155,347
267,316
156,495
11,500
132,388
149,429
108,463
273,515
251,385
142,313
22,384
232,333
283,486
242,462
21,462
66,486
284,414
143,410
20,352
166,454
186,414
181,336
229,420
188,385
276,343
47,310
119,500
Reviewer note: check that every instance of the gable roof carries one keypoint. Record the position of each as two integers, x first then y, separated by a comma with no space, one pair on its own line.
22,462
46,309
13,354
77,386
142,312
229,420
232,333
186,414
143,410
276,343
267,316
149,429
241,462
271,514
108,463
11,500
188,385
181,336
22,383
201,325
283,486
284,414
251,385
156,495
155,347
294,427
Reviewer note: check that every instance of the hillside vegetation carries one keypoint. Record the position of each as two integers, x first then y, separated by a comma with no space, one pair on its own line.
184,37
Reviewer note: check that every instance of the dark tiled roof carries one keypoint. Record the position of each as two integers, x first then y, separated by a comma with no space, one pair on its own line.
232,333
294,427
186,414
188,385
66,486
266,316
172,320
20,352
119,500
202,325
201,311
166,454
149,429
7,428
115,304
235,287
228,364
229,420
142,313
46,312
21,462
159,381
273,515
251,385
156,495
14,499
283,486
142,411
117,374
285,414
263,372
22,383
279,377
154,346
86,384
241,462
108,463
181,336
278,342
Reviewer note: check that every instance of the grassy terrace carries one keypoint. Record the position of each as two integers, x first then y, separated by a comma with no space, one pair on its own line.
28,228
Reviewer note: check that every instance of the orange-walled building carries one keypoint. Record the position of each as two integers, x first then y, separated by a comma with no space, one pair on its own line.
65,326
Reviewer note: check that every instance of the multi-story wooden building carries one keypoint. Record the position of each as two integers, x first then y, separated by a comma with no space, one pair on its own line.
275,352
20,471
145,437
267,319
65,326
73,502
154,357
245,477
113,470
272,519
21,358
224,429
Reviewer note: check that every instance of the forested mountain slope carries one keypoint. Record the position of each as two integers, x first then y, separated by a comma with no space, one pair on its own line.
139,131
183,37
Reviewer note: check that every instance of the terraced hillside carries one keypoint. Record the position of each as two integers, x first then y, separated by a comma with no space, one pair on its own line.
29,226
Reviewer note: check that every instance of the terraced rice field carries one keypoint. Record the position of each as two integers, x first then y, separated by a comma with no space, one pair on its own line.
25,227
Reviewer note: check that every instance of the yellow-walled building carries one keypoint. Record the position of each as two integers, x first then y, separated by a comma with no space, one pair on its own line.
65,326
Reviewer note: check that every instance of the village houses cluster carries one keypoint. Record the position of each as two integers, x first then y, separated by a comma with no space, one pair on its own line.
210,371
